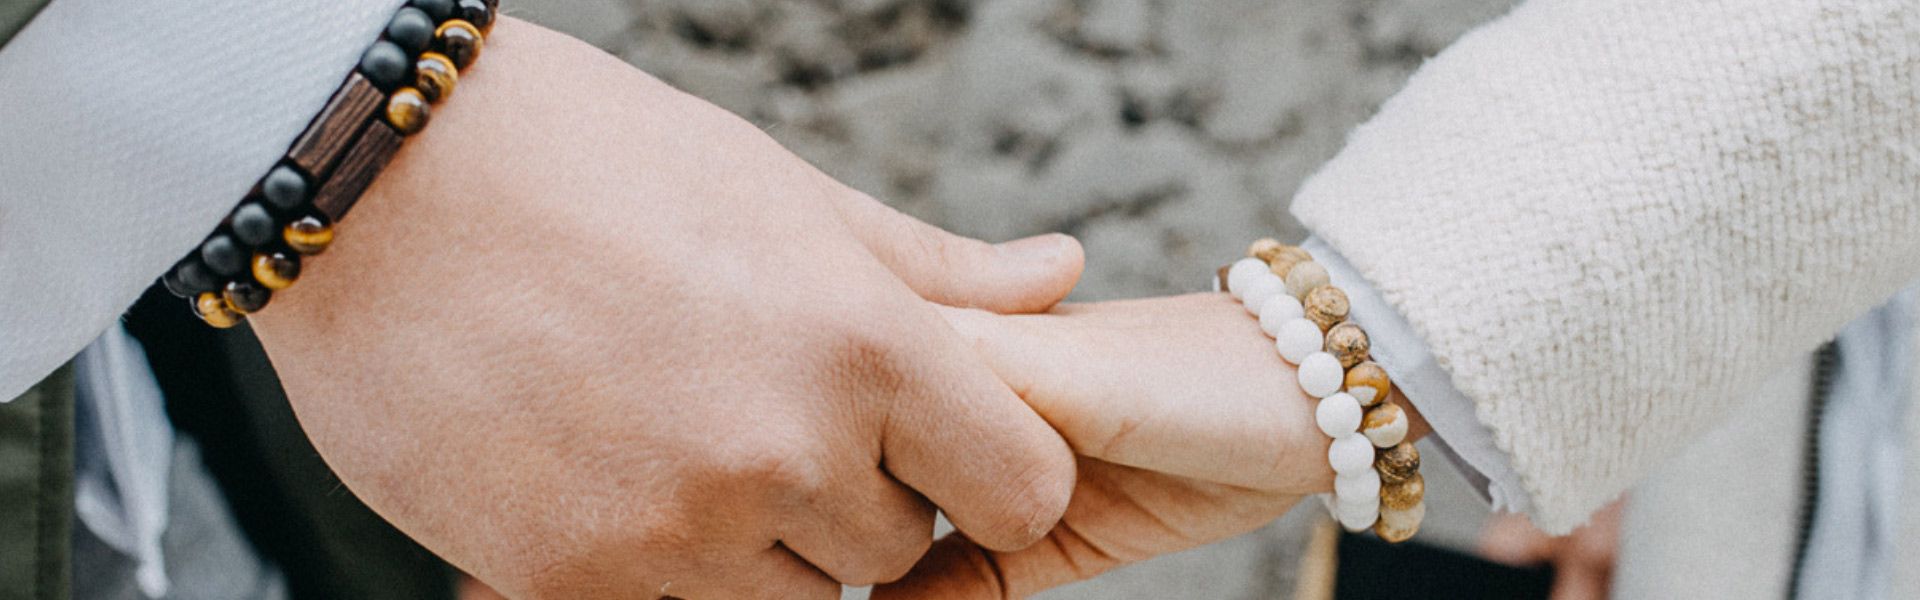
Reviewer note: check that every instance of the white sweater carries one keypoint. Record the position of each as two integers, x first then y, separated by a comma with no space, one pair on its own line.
1611,220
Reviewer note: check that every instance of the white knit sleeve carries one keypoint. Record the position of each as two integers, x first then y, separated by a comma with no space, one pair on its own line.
128,130
1610,219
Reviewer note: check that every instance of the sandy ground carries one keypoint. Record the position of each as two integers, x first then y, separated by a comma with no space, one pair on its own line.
1165,134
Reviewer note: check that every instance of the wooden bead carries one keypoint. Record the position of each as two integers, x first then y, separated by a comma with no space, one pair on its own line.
212,308
1397,526
1368,383
460,41
1284,260
308,235
327,138
408,111
276,270
1348,343
356,171
1305,277
246,297
1403,494
1385,425
1264,249
1220,279
434,75
1397,464
1326,306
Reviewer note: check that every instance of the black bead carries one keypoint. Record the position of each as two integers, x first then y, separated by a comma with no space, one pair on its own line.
477,12
284,188
440,10
224,256
386,65
253,225
193,278
411,29
246,297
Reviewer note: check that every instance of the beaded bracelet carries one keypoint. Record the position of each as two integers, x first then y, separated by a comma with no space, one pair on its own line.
1307,317
289,215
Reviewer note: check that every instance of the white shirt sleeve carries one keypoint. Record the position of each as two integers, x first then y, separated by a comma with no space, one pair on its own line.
1411,365
130,129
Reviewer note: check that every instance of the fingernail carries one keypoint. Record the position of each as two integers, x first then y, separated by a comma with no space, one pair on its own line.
1044,247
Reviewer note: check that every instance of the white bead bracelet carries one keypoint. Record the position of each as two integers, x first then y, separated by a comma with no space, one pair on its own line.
1306,316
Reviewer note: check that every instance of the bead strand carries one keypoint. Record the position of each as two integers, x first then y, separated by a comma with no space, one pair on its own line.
258,250
1377,482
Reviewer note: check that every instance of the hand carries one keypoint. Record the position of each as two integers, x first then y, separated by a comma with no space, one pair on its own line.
1191,428
592,337
1582,561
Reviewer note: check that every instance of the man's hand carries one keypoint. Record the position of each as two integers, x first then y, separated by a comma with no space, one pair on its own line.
591,337
1191,427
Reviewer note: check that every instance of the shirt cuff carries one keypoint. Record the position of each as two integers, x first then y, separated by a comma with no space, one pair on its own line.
1458,433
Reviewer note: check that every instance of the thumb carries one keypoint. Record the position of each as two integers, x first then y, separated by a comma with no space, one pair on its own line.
1023,276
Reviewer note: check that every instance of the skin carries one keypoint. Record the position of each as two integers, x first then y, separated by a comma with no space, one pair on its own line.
1582,561
590,337
1190,428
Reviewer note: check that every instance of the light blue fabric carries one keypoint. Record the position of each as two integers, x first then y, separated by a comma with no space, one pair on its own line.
123,452
1862,438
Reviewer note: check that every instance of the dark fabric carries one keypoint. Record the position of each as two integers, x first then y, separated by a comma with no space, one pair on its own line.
222,391
14,15
36,490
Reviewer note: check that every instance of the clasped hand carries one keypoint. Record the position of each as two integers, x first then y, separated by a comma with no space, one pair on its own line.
592,337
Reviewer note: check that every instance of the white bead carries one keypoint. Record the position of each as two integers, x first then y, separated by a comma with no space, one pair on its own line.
1277,311
1350,453
1337,415
1357,516
1320,374
1298,338
1242,273
1358,485
1262,288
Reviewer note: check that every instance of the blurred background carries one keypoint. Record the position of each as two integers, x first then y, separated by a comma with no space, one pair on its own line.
1165,134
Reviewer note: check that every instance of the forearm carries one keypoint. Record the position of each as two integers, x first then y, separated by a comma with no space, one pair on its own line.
131,129
1609,219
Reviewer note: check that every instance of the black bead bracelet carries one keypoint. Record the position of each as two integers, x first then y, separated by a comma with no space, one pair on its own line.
289,215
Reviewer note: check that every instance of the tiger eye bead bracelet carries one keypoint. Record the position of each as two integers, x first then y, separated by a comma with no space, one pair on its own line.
1377,481
259,249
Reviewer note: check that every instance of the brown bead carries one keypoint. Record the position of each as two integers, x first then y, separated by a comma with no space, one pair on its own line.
1348,343
460,41
1368,383
1284,260
408,110
1306,277
212,308
308,235
276,270
246,297
1326,306
1385,425
1265,249
1402,495
434,75
1220,278
1397,464
1397,526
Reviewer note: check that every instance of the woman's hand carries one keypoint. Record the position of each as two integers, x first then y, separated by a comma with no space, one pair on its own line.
1190,427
